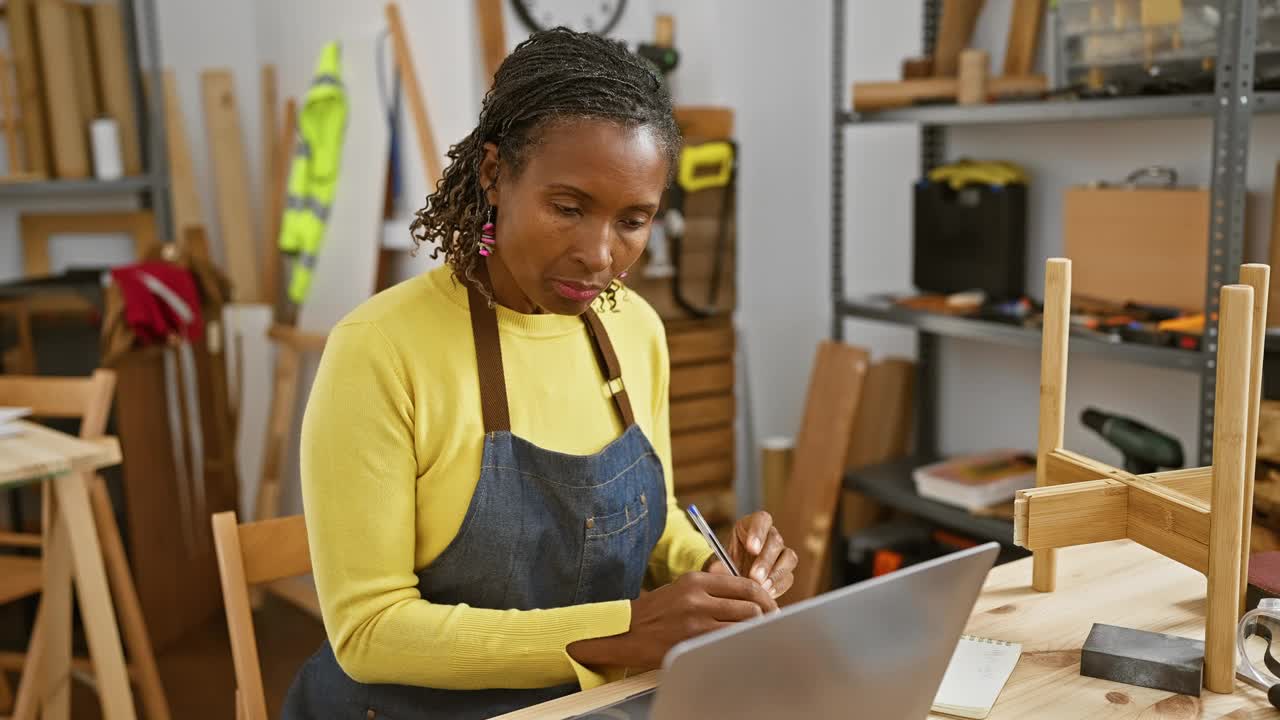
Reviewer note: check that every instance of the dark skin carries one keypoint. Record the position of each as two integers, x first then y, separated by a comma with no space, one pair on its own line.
578,214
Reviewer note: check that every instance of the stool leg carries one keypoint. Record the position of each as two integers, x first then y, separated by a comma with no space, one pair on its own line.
1230,421
1053,395
128,608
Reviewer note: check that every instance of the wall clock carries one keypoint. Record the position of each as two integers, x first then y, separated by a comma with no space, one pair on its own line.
597,16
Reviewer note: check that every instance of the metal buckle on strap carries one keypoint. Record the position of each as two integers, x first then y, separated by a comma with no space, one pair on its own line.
616,387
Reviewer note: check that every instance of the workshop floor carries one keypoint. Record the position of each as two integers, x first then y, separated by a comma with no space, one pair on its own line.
198,677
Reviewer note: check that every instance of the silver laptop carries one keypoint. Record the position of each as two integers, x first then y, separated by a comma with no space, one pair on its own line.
876,650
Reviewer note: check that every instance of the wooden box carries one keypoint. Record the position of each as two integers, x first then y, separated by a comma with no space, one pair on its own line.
1144,245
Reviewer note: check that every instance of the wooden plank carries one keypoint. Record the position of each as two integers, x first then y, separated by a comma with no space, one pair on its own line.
113,79
231,180
959,17
699,475
413,95
702,412
694,380
1053,392
188,211
691,447
493,39
1273,254
82,60
881,432
12,121
872,96
822,448
68,129
269,243
22,38
1086,512
1024,37
283,402
701,345
704,122
273,268
1230,422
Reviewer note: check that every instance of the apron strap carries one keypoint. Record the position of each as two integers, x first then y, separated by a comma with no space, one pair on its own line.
493,381
609,365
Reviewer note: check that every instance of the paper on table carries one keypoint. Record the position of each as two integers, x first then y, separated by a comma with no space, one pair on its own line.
978,671
7,416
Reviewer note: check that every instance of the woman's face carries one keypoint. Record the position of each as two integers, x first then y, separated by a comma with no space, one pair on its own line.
576,216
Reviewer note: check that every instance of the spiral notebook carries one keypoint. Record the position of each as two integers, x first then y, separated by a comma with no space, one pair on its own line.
978,671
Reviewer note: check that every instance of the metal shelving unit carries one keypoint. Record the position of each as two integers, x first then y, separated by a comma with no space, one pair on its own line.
1231,108
143,48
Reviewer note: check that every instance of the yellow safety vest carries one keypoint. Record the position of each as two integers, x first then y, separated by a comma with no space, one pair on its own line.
313,174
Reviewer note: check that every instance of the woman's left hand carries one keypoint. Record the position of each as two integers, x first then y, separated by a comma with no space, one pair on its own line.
757,549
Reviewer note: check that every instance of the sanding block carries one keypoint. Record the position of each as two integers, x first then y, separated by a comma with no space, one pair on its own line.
1146,659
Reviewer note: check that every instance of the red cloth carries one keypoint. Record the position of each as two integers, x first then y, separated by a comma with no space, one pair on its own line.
160,300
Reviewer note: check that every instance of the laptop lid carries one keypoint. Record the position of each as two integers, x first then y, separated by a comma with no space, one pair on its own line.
877,649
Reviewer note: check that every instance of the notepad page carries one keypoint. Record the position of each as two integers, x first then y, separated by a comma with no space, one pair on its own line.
978,671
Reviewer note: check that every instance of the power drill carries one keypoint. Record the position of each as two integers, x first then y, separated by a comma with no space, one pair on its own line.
1145,450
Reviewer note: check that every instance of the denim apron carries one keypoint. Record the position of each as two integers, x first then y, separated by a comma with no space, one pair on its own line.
543,530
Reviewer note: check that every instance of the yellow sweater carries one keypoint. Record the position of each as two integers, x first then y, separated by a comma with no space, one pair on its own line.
390,456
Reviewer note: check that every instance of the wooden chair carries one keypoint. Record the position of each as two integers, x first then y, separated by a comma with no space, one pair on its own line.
252,554
88,399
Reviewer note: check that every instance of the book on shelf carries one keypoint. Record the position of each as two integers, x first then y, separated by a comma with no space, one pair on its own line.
977,481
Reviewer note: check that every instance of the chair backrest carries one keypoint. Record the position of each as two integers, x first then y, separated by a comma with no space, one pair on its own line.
87,398
249,554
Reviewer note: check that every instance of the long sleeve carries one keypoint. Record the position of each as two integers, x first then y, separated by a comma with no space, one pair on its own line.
359,474
681,549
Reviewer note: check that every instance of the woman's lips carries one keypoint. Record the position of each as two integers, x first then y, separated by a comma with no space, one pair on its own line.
578,292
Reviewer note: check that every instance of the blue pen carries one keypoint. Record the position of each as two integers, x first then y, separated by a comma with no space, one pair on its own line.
711,539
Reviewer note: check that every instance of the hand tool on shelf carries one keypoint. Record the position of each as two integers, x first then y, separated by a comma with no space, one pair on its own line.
1145,449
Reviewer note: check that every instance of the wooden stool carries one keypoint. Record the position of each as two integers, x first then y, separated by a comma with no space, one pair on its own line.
1199,517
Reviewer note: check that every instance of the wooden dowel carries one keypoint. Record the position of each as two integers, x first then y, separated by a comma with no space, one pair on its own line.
1230,422
1053,395
22,38
413,94
974,73
8,107
1258,277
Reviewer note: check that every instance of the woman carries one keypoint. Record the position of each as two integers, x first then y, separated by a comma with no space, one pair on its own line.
483,503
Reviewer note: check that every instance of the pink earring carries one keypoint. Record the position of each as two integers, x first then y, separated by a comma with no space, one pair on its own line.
622,274
488,237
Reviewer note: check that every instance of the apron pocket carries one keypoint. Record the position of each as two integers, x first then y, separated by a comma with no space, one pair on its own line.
615,554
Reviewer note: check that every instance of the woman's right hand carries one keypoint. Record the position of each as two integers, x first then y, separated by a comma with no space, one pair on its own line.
696,603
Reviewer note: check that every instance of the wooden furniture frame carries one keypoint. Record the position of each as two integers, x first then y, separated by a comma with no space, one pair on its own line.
71,545
1198,517
251,554
37,229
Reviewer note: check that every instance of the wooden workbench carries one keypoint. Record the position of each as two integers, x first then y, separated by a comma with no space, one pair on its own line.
1119,583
